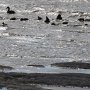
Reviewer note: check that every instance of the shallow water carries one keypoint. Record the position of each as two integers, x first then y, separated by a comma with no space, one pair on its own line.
34,42
47,69
64,88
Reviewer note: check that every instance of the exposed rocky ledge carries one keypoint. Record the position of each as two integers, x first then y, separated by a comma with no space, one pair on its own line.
73,65
64,79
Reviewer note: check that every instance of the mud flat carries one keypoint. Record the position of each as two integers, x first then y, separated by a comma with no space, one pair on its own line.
74,65
65,79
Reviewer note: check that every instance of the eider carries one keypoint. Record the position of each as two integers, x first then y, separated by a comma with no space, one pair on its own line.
81,19
65,22
59,17
23,19
10,11
4,25
47,20
39,18
13,18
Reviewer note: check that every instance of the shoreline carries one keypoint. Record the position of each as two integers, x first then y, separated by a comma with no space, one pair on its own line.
64,79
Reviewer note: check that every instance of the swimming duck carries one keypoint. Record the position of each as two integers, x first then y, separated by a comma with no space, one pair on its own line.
47,20
10,11
13,18
23,19
3,26
39,18
65,22
81,19
59,17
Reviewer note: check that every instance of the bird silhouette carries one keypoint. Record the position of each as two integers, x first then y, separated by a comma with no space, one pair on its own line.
39,18
59,17
47,20
13,18
23,19
10,11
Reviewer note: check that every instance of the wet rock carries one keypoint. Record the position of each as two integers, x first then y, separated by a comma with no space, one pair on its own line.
63,79
5,67
42,66
73,65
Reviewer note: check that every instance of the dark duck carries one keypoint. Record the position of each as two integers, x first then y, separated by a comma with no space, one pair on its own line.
59,17
39,18
47,20
4,25
23,19
10,11
81,19
13,18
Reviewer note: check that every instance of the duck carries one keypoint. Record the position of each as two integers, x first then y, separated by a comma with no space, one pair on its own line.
13,18
65,22
39,18
23,19
47,20
3,27
10,11
59,17
81,19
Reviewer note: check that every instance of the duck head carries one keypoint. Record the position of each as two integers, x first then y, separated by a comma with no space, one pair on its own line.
8,8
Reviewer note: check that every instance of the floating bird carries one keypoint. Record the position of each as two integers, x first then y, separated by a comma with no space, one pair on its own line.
23,19
13,18
59,17
39,18
53,23
3,26
81,19
65,22
47,20
10,11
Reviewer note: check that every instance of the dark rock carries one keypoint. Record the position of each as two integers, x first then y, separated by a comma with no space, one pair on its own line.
42,66
73,65
63,79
